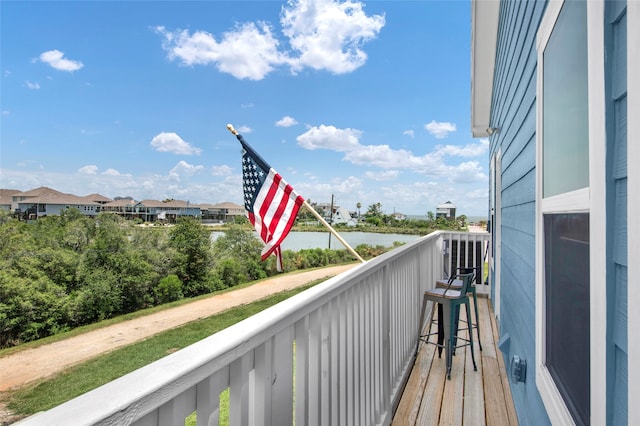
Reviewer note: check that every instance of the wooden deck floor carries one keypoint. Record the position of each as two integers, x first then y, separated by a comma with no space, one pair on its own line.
471,397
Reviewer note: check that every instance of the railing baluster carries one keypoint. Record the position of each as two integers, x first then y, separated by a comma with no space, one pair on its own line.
342,370
239,375
314,390
302,371
264,376
208,399
281,389
176,410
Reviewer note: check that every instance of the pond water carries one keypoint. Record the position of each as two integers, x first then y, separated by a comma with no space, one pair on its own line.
307,240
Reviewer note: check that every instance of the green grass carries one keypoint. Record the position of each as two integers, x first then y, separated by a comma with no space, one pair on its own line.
141,313
103,369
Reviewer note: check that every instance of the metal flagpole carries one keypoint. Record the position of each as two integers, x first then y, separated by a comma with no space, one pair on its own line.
317,215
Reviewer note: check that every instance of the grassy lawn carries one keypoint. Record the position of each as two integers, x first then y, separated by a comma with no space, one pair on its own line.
103,369
141,313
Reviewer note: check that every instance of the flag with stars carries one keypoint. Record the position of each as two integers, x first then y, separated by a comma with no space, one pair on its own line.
270,202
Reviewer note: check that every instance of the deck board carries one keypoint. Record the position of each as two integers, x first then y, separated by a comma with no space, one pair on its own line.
471,397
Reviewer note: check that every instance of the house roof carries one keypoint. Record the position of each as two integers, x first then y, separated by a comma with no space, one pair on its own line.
484,34
8,192
98,198
168,204
58,199
38,192
121,202
46,195
229,205
6,196
447,205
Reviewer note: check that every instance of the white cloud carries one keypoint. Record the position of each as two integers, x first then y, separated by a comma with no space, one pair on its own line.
90,169
221,170
55,59
245,129
385,157
409,133
440,129
467,172
330,137
286,121
184,169
346,186
249,51
328,35
323,35
111,172
32,86
469,150
6,112
382,175
477,194
171,142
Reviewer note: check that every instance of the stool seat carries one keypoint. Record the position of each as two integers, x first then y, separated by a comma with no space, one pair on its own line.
445,293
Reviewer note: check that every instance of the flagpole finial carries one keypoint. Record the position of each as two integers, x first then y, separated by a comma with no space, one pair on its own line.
231,129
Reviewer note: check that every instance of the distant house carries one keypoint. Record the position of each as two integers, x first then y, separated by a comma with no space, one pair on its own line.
44,201
446,211
6,198
97,198
169,211
341,215
555,90
221,212
322,208
124,207
399,216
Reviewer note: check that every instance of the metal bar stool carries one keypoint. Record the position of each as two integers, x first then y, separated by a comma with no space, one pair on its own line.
455,283
448,302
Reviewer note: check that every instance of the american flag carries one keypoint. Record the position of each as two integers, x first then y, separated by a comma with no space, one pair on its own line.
270,202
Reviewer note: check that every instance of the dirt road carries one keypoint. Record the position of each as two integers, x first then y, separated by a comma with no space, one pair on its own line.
29,365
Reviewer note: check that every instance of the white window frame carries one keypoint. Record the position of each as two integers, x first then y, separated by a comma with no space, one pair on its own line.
588,200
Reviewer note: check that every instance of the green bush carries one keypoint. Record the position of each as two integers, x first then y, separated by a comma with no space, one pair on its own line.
169,289
70,270
30,309
230,272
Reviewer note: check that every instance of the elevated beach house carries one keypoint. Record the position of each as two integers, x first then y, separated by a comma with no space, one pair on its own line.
555,88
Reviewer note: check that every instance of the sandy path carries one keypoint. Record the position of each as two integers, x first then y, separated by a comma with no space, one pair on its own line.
29,365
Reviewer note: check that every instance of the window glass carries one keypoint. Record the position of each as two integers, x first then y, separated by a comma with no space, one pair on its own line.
567,308
565,103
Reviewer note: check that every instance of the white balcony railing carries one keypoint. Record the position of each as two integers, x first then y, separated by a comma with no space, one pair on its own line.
338,353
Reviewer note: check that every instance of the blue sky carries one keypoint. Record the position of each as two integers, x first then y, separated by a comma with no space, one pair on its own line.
368,101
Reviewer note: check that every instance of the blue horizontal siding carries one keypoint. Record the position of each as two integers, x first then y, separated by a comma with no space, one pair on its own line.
620,309
521,191
620,393
617,229
514,112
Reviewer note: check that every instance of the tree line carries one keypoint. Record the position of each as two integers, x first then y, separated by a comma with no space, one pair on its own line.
61,272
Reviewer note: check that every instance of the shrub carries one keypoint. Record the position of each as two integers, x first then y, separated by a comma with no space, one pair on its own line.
230,272
169,289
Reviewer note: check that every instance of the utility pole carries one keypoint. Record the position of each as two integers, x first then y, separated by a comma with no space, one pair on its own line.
330,219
